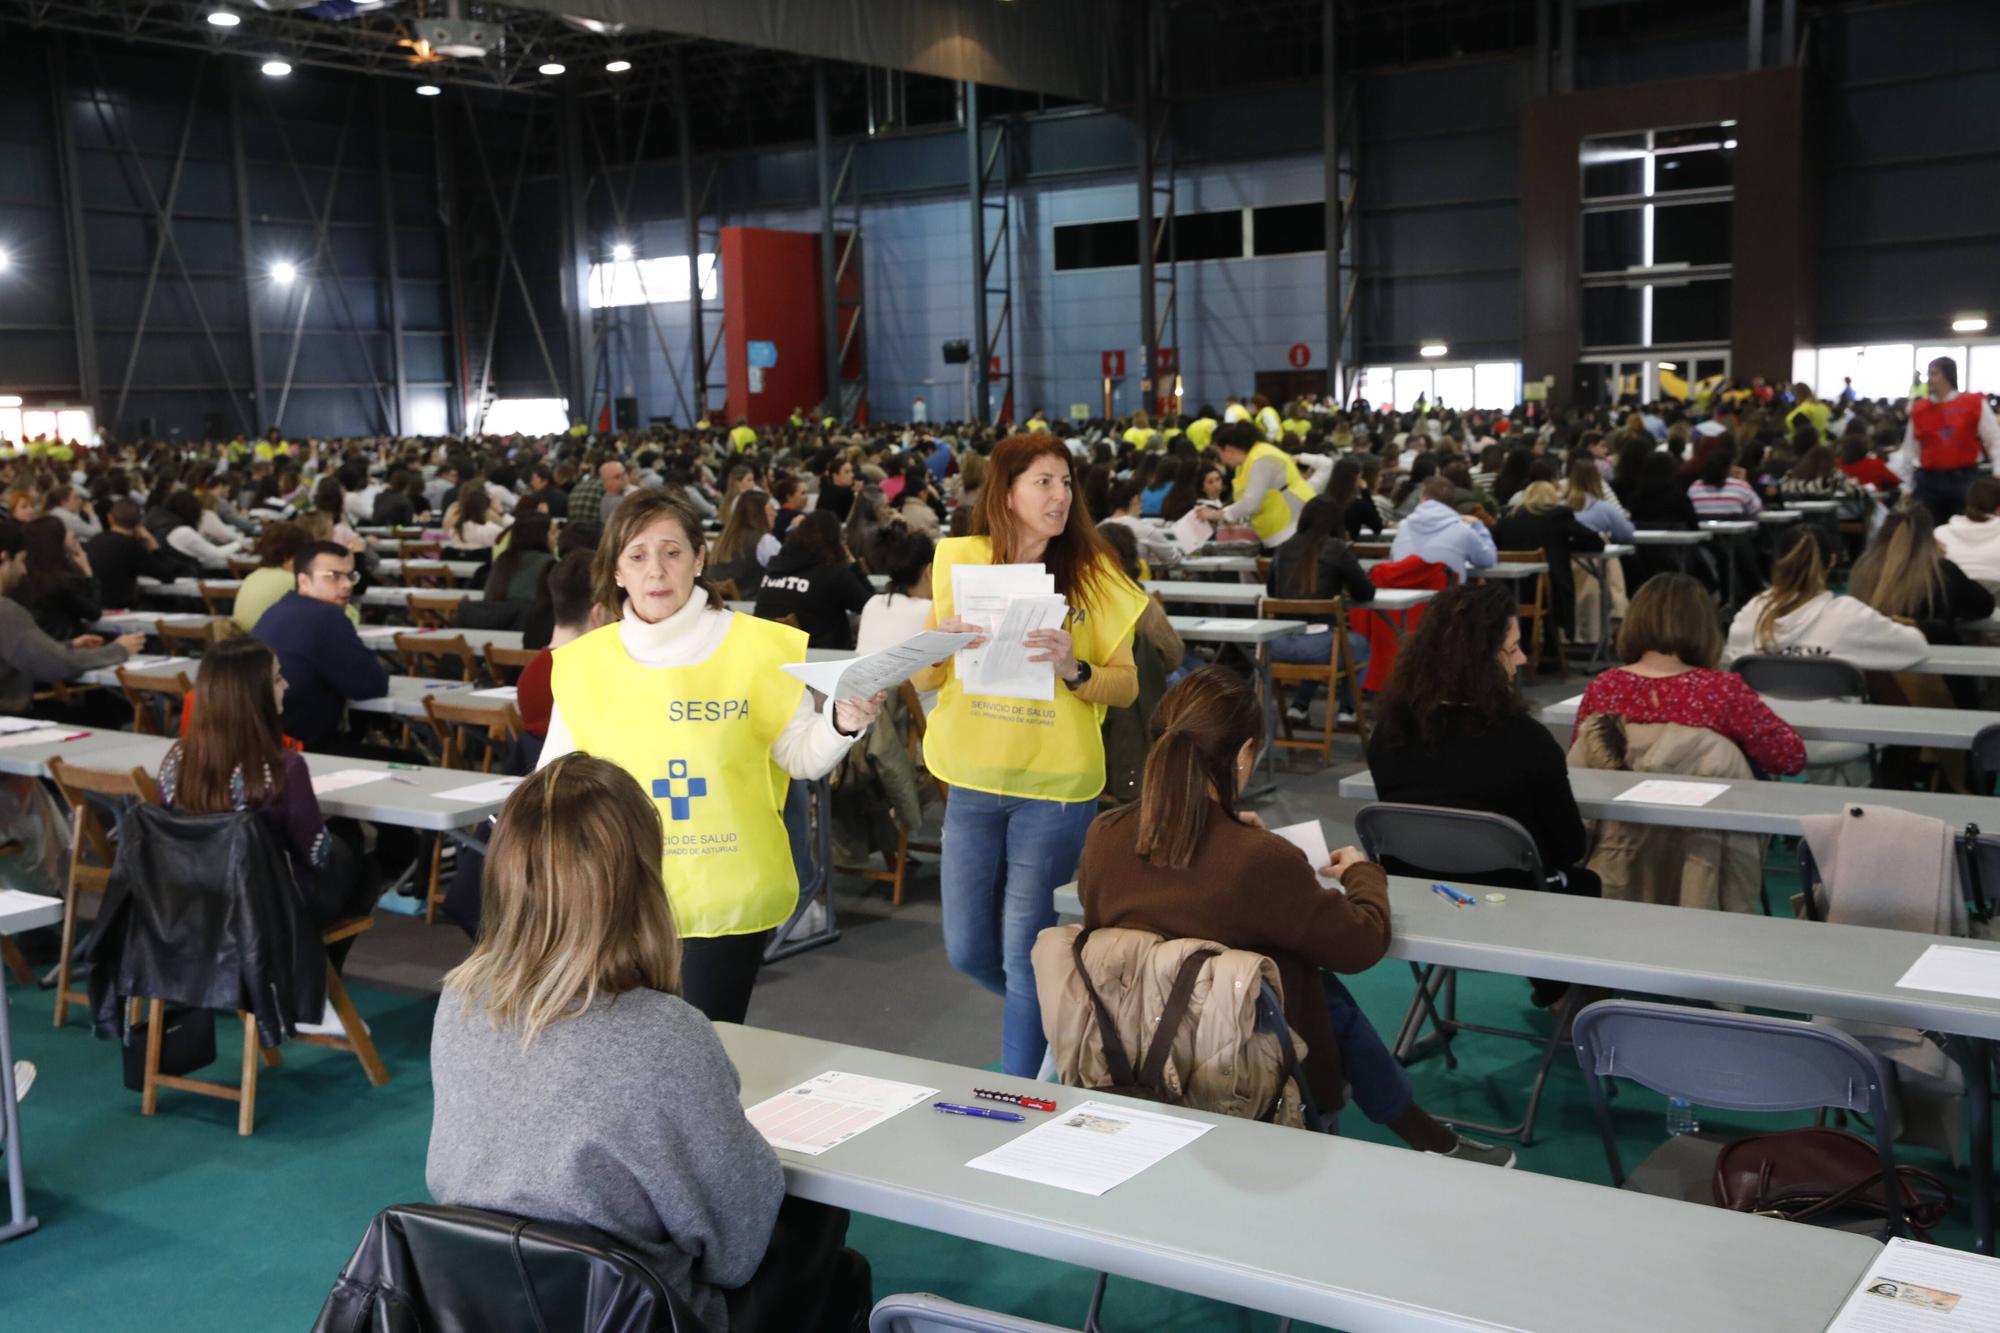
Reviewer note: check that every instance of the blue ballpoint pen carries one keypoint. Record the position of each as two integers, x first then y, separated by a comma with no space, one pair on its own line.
952,1108
1462,899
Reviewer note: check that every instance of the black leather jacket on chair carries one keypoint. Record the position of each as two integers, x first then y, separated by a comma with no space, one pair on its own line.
426,1268
202,910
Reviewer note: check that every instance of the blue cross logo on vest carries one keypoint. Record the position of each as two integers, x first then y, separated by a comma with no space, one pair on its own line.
678,790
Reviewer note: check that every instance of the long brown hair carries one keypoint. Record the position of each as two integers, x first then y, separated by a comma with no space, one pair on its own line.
235,727
1201,725
1319,520
749,519
1078,557
1901,572
1585,482
634,514
572,902
1797,578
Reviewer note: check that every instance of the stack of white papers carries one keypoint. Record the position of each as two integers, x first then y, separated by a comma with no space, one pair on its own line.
1913,1286
324,783
1007,602
1091,1148
865,677
829,1109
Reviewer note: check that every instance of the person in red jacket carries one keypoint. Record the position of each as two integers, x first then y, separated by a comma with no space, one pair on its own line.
1949,436
1858,461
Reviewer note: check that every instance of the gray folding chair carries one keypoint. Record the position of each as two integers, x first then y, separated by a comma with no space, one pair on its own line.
917,1312
1473,845
1783,676
1733,1062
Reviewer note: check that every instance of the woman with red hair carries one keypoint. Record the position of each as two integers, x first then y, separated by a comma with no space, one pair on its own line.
1025,774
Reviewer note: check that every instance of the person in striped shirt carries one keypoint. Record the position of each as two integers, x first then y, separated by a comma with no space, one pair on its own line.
1721,491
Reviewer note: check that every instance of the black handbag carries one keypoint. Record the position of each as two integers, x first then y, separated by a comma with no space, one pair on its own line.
187,1043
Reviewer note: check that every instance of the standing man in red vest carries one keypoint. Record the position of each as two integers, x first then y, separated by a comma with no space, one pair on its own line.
1949,436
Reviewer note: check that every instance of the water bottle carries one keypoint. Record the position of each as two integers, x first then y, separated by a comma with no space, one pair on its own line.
1680,1118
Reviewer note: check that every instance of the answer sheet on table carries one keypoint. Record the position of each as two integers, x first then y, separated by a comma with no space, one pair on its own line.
1091,1148
1660,791
1913,1287
831,1109
342,779
1955,970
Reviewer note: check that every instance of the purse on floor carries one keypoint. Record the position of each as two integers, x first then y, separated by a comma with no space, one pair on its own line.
1807,1175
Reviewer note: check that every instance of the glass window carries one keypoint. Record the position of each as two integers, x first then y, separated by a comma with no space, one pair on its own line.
1707,169
1453,386
1288,229
1614,241
1206,236
1882,370
1496,385
1691,312
1984,372
1614,164
1377,384
1613,316
526,416
1410,386
10,425
73,425
1691,234
1921,368
647,281
1805,368
1833,367
1097,245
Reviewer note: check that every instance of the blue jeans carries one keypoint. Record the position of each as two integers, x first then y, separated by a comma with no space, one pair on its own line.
1304,649
1380,1085
1002,858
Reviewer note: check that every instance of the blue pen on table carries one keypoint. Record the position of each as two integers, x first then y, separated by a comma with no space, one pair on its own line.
1458,899
952,1108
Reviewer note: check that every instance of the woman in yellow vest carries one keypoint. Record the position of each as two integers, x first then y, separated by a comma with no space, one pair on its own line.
1268,487
1025,774
689,698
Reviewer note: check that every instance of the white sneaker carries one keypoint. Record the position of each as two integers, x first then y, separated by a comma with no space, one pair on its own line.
1298,715
24,1078
329,1025
1344,718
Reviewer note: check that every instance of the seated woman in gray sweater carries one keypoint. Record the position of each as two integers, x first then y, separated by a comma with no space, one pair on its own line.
573,1085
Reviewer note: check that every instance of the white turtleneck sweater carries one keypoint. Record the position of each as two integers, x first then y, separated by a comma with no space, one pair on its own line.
807,748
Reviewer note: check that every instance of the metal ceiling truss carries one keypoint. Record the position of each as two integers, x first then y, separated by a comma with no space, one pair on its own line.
1159,308
843,318
988,176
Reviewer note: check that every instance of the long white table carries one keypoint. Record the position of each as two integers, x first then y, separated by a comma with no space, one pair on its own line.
458,569
1338,1232
1872,724
1959,659
383,637
1207,594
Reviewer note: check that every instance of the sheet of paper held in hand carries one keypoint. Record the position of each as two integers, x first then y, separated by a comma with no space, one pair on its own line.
1091,1147
1310,838
1955,970
1659,791
831,1108
864,677
1913,1287
1006,602
1192,531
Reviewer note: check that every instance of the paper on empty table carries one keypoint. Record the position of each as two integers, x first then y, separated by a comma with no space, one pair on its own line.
143,660
44,736
345,778
383,631
1912,1286
1956,970
1659,791
13,724
1192,531
831,1108
864,677
494,790
1091,1148
1225,623
497,692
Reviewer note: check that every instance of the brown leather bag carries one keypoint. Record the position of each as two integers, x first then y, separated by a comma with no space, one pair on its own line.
1806,1175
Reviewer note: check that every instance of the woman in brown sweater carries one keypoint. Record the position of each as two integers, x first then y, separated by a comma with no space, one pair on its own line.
1185,862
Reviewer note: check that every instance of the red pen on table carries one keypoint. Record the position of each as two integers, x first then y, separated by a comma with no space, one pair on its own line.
1014,1099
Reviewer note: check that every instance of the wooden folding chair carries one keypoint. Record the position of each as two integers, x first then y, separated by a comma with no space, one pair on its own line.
144,690
432,612
431,655
419,551
1369,550
90,844
504,664
896,876
244,1091
426,575
218,599
241,566
1538,610
187,640
1340,666
498,728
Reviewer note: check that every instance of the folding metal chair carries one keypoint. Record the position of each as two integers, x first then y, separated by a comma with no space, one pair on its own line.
1730,1061
919,1312
1483,848
1782,676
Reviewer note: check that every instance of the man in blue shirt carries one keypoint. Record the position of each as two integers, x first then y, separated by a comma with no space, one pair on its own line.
324,662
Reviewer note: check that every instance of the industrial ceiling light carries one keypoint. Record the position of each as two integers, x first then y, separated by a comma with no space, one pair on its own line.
282,272
277,69
617,66
621,252
1729,143
1432,349
552,68
1968,324
222,18
1668,365
428,90
5,260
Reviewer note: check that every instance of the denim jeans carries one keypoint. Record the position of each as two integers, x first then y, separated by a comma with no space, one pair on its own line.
1003,857
1380,1085
1304,649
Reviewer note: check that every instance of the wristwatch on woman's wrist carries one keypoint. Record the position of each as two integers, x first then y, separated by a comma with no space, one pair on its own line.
1082,676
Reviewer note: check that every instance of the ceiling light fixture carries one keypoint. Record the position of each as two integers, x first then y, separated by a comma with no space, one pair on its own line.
1668,365
282,272
1969,324
5,260
1729,143
428,90
621,253
222,18
617,66
277,69
1432,349
552,68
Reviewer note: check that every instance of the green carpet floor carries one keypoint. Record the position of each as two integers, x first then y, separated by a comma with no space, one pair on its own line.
176,1223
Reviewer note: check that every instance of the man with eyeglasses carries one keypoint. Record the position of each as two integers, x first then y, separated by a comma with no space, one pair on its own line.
324,661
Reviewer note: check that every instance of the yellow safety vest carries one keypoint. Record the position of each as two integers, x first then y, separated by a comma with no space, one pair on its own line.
1268,423
742,437
698,740
1044,751
1199,430
1294,426
1138,437
1274,515
1235,412
1037,426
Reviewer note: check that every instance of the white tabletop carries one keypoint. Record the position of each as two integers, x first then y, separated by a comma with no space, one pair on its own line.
1958,659
32,761
1212,594
383,637
1610,549
1737,526
1397,599
1326,1229
125,622
1668,537
461,569
1813,506
42,911
1218,564
1239,629
382,595
1873,724
407,694
1776,517
1745,806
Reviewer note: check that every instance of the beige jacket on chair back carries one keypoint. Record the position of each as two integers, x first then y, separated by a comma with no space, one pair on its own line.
1677,867
1217,1062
